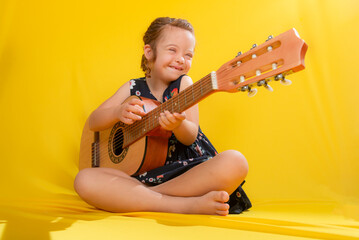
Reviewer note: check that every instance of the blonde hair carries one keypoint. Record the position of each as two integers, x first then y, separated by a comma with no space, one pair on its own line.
154,32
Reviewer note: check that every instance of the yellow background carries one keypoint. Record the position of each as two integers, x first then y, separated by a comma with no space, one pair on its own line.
60,59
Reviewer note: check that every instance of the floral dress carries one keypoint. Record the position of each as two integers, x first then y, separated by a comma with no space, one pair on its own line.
181,158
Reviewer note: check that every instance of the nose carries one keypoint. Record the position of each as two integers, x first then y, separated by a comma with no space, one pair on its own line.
180,59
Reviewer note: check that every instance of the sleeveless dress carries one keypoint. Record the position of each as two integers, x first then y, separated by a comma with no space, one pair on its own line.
181,158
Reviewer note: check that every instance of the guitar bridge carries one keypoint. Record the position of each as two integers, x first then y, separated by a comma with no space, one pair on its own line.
95,156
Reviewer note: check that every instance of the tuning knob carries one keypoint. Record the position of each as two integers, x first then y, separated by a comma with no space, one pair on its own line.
252,92
269,37
286,82
244,88
254,46
269,88
279,77
239,54
283,80
261,83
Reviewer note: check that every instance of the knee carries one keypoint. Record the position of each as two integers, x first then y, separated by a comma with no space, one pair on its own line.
236,162
82,182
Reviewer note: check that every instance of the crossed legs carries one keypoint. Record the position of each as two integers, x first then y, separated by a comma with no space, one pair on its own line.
201,190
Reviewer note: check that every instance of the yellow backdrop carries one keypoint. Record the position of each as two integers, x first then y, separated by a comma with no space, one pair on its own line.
60,59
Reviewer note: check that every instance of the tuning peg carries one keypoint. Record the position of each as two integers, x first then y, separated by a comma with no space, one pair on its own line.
239,54
252,92
278,77
286,82
261,83
269,88
244,88
253,46
282,80
269,37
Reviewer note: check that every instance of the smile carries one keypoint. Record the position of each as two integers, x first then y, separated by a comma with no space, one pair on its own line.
177,68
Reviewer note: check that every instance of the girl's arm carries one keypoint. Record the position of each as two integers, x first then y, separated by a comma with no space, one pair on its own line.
183,125
115,109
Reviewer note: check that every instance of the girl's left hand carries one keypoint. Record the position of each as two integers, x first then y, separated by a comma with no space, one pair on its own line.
171,121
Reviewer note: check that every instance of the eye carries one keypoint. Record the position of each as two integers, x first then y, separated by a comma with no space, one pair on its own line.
172,49
189,55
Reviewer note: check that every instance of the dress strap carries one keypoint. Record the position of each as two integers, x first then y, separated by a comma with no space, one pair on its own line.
173,89
139,88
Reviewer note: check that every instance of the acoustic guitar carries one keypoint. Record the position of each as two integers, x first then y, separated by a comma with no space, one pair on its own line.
142,146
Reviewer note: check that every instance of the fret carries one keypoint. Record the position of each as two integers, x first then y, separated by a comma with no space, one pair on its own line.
164,106
151,121
143,127
185,100
157,116
146,124
192,93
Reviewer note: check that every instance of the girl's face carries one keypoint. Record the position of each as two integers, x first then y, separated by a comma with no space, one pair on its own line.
175,50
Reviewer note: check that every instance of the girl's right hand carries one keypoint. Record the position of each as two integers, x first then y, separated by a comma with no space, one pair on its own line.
130,111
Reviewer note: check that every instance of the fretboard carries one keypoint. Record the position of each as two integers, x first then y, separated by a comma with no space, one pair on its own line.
179,103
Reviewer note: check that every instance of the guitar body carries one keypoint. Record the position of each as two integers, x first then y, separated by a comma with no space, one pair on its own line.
105,148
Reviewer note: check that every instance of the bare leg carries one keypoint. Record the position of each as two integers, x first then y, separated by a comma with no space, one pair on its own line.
226,171
196,191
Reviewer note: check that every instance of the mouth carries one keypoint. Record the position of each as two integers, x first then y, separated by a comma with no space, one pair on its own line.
177,68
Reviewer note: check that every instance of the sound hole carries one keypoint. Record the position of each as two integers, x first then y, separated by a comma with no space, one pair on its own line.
118,142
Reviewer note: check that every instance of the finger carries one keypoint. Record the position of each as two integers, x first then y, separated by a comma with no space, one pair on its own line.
170,117
127,121
164,126
164,119
136,110
136,101
181,116
131,115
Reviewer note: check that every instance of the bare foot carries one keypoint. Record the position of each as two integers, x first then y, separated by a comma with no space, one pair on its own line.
213,203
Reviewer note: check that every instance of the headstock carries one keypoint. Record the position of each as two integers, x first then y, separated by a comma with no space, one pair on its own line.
272,60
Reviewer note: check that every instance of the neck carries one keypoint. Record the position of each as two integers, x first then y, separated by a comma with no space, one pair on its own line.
157,87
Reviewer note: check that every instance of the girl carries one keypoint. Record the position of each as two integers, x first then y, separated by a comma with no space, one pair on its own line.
195,179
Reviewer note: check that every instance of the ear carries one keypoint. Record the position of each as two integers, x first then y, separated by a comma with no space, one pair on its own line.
148,52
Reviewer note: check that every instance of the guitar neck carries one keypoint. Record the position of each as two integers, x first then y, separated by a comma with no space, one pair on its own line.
179,103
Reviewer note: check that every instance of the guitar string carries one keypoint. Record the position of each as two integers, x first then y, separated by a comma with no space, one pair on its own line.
195,90
118,141
166,105
181,99
139,126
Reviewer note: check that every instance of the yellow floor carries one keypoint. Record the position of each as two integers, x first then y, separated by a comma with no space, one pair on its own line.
69,218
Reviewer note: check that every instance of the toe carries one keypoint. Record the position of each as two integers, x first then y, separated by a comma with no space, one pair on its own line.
222,213
222,206
222,196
